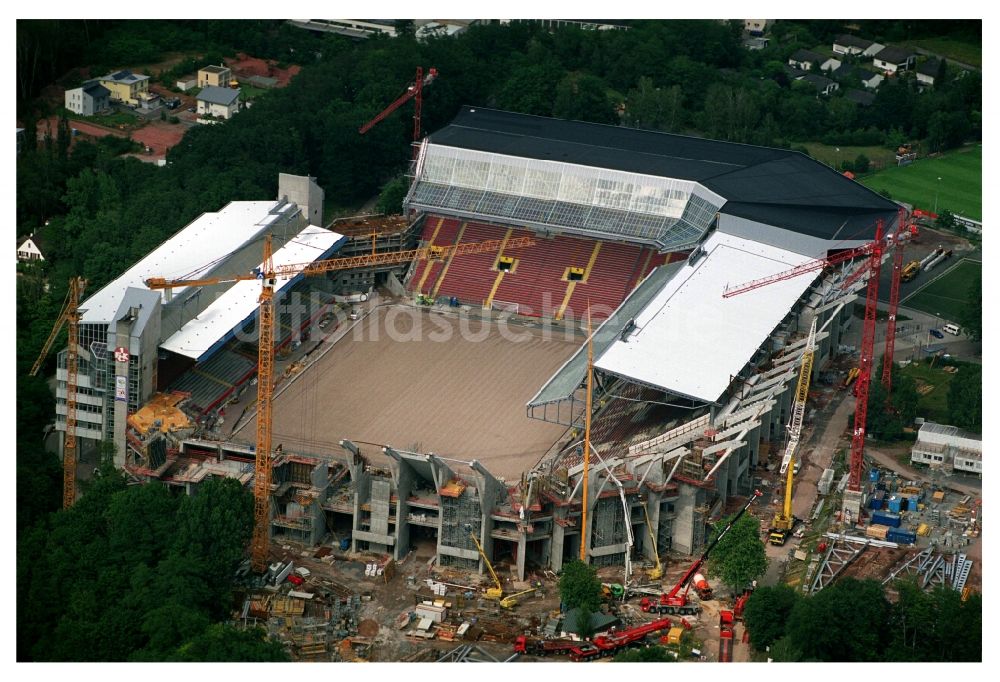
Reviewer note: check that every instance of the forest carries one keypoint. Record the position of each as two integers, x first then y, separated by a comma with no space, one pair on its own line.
102,212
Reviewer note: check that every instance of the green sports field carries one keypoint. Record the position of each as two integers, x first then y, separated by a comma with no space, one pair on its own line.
947,295
961,184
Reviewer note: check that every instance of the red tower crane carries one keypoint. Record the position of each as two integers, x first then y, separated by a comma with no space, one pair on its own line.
414,91
897,268
873,252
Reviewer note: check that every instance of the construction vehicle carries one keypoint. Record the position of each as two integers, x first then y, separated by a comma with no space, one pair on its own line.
852,374
543,647
911,270
70,316
676,601
727,624
614,591
656,572
510,601
491,592
615,641
268,274
784,522
602,645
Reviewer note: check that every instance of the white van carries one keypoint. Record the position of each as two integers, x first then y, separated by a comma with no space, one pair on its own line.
952,329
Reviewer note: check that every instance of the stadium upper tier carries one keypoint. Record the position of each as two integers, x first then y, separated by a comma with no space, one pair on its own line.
626,184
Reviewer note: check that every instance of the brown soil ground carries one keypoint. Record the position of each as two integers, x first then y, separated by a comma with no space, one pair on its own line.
459,398
160,136
245,66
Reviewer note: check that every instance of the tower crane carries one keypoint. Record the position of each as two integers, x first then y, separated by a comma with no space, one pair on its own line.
897,270
784,522
872,251
70,316
268,274
414,91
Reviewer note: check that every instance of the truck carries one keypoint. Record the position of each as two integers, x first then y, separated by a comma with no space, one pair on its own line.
602,645
910,270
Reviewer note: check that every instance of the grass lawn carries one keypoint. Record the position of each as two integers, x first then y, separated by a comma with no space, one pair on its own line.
250,92
967,53
947,295
878,155
933,406
961,184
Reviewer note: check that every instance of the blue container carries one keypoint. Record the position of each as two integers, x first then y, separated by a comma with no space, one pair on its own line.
873,475
874,503
345,544
903,537
895,504
883,518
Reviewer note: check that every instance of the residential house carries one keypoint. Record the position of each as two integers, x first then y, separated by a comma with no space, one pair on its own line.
31,247
947,447
805,59
127,87
831,64
793,73
757,27
868,79
187,83
863,99
214,76
930,71
854,46
823,85
88,99
756,43
893,59
218,102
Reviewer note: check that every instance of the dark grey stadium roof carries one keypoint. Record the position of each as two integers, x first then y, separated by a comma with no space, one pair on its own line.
776,186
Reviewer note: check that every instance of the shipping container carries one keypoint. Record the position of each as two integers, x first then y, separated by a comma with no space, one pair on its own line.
873,475
895,504
874,503
882,518
903,537
877,532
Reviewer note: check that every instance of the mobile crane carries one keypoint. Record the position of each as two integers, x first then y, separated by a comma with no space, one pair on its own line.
784,522
676,601
602,645
70,316
491,592
268,274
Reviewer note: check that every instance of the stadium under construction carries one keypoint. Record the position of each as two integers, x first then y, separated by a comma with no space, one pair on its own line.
427,401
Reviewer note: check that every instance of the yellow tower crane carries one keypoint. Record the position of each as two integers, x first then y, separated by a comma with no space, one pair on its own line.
70,316
269,274
784,522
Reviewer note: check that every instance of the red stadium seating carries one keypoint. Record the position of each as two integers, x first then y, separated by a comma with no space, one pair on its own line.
537,282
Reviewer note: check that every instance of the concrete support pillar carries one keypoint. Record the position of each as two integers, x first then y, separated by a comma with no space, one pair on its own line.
522,549
653,500
403,478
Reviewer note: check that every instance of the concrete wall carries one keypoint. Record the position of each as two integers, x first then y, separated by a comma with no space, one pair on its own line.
304,191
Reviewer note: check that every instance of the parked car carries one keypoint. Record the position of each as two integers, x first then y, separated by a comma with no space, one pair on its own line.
937,334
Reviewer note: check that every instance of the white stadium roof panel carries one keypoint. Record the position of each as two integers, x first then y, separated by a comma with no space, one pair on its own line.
198,336
192,252
691,341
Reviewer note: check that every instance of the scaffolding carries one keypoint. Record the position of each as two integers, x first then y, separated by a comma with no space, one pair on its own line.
456,515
